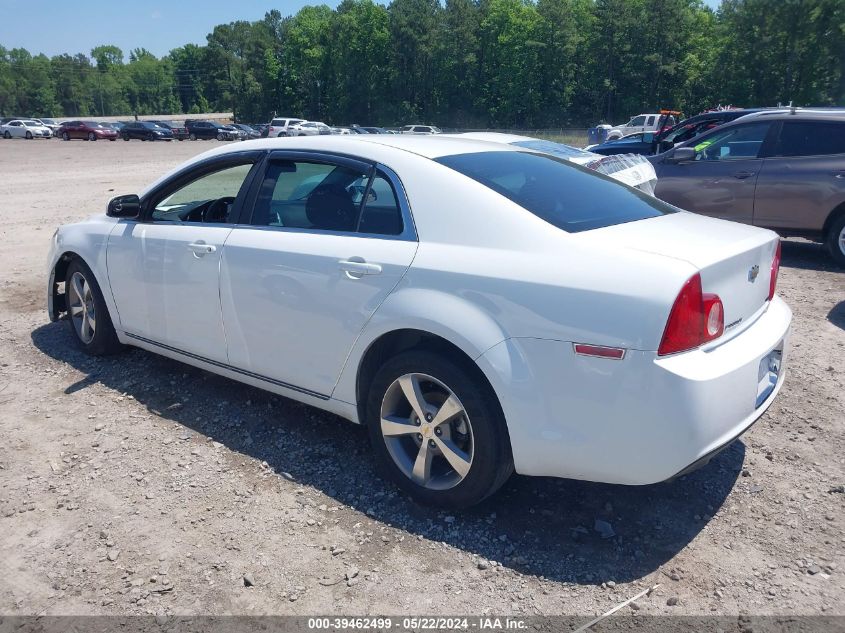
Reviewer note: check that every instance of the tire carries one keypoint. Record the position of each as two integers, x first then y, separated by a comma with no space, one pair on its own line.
477,427
65,136
99,337
29,136
113,139
835,240
92,136
6,134
151,137
220,137
192,136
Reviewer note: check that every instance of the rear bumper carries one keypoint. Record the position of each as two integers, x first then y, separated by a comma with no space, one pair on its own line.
640,420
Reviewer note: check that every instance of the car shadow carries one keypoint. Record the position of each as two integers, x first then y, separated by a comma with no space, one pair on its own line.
807,256
543,527
837,315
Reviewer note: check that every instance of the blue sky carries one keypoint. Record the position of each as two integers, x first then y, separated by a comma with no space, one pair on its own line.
53,27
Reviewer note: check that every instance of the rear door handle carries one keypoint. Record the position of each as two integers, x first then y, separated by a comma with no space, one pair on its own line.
742,175
200,248
356,267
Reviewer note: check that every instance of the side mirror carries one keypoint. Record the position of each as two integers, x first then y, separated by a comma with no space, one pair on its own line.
124,207
681,155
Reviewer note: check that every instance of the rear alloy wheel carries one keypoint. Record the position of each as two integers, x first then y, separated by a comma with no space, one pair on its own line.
6,134
65,136
87,312
151,137
92,136
437,430
192,136
125,137
836,240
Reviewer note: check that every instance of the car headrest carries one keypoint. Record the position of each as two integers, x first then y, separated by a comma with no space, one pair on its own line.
330,208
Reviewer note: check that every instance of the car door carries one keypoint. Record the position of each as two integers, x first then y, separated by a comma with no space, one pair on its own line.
164,267
16,129
721,180
299,284
803,178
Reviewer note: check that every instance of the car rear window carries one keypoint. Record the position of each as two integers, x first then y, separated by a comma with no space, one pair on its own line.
562,193
811,138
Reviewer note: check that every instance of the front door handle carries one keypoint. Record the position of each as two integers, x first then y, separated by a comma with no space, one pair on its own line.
357,267
742,175
200,248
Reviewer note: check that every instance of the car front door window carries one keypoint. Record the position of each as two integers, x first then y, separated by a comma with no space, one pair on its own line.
736,143
209,198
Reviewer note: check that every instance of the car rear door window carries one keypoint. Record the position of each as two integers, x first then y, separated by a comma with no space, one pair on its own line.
319,196
381,214
811,138
735,143
566,195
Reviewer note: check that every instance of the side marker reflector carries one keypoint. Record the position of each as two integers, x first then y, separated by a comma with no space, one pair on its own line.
614,353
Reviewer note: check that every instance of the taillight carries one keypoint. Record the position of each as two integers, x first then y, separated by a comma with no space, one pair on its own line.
695,319
773,280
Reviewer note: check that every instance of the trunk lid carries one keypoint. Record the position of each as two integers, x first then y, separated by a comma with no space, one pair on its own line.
734,260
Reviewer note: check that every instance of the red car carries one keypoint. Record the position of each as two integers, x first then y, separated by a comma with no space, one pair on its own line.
86,130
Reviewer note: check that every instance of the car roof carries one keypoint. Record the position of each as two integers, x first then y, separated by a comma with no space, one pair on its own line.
802,114
374,147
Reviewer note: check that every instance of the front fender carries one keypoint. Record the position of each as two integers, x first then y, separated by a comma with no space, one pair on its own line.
87,240
448,316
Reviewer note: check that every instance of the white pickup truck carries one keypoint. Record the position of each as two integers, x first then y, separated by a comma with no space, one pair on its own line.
642,123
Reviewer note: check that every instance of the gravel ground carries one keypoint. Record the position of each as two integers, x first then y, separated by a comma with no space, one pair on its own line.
137,484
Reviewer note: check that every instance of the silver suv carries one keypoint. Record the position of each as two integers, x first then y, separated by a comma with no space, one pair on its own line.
780,170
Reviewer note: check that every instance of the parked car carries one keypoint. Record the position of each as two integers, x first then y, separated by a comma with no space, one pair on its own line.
308,128
375,130
420,129
145,131
248,131
632,169
342,130
86,130
25,128
649,143
50,123
208,130
603,335
780,170
654,122
180,132
115,125
279,126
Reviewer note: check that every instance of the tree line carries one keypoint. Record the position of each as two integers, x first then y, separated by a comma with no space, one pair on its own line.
460,63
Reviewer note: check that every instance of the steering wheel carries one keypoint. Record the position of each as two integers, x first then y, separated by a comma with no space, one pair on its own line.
218,211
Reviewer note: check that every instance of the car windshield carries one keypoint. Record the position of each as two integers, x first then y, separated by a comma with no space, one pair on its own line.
564,194
92,124
31,123
555,149
49,121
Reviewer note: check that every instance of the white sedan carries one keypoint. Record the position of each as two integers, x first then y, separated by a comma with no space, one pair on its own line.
482,308
25,128
632,169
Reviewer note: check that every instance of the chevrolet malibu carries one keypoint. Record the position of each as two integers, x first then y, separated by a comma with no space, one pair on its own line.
482,308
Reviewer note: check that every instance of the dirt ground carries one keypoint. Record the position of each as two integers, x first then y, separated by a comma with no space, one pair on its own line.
136,484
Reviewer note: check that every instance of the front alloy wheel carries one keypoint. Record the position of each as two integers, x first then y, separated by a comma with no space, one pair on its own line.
836,240
81,307
427,431
87,312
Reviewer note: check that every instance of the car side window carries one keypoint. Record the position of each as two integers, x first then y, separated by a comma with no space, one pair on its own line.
381,214
650,121
736,143
810,138
636,121
208,198
310,195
